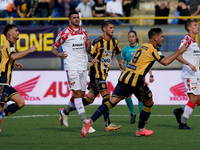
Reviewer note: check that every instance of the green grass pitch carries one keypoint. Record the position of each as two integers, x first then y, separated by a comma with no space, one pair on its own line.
37,128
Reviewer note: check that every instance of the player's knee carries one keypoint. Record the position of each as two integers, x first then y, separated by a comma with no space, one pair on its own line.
147,98
20,103
77,94
147,108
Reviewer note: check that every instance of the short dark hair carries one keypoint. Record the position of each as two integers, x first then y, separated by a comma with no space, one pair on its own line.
154,31
187,24
71,13
7,27
105,24
133,31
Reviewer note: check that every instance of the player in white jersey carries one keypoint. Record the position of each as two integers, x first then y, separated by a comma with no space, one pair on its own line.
190,73
75,44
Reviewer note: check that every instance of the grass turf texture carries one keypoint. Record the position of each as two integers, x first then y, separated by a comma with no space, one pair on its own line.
37,127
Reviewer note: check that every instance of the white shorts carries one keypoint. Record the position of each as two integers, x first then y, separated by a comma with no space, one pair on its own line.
192,85
77,79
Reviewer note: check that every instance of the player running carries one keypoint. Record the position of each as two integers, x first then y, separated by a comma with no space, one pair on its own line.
132,81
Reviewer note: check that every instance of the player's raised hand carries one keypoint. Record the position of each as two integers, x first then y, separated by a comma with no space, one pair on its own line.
33,49
62,55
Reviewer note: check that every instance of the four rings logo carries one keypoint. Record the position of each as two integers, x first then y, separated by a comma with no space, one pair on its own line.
26,87
179,93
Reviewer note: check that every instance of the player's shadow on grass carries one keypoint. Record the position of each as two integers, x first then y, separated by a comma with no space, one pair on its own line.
168,126
111,134
62,129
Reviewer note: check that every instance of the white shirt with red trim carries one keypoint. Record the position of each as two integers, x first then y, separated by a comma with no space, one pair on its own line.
73,42
192,55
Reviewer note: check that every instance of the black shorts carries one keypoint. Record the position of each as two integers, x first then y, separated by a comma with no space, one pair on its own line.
141,91
6,92
98,85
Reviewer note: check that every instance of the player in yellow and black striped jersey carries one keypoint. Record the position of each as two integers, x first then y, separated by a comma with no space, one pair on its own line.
103,50
140,64
132,80
8,55
7,65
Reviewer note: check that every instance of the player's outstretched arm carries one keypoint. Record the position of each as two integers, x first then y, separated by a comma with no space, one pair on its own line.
62,55
167,60
19,55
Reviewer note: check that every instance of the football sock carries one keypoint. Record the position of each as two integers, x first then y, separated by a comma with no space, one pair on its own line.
101,110
68,109
140,106
79,107
87,101
106,115
187,111
144,115
11,109
82,116
129,103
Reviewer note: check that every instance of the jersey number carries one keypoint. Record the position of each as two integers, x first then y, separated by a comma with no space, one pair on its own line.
136,56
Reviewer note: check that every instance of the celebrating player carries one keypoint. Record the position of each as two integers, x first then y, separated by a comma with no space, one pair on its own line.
127,54
8,61
131,81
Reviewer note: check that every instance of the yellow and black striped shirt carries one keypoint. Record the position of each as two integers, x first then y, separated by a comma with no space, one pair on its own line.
6,63
140,64
103,51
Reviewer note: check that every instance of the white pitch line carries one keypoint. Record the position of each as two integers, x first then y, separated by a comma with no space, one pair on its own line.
47,115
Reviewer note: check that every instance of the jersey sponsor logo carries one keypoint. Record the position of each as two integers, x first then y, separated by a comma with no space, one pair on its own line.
107,52
196,53
77,45
179,93
133,67
106,60
26,87
12,49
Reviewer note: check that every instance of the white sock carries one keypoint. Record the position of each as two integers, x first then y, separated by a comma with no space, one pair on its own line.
187,112
79,105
